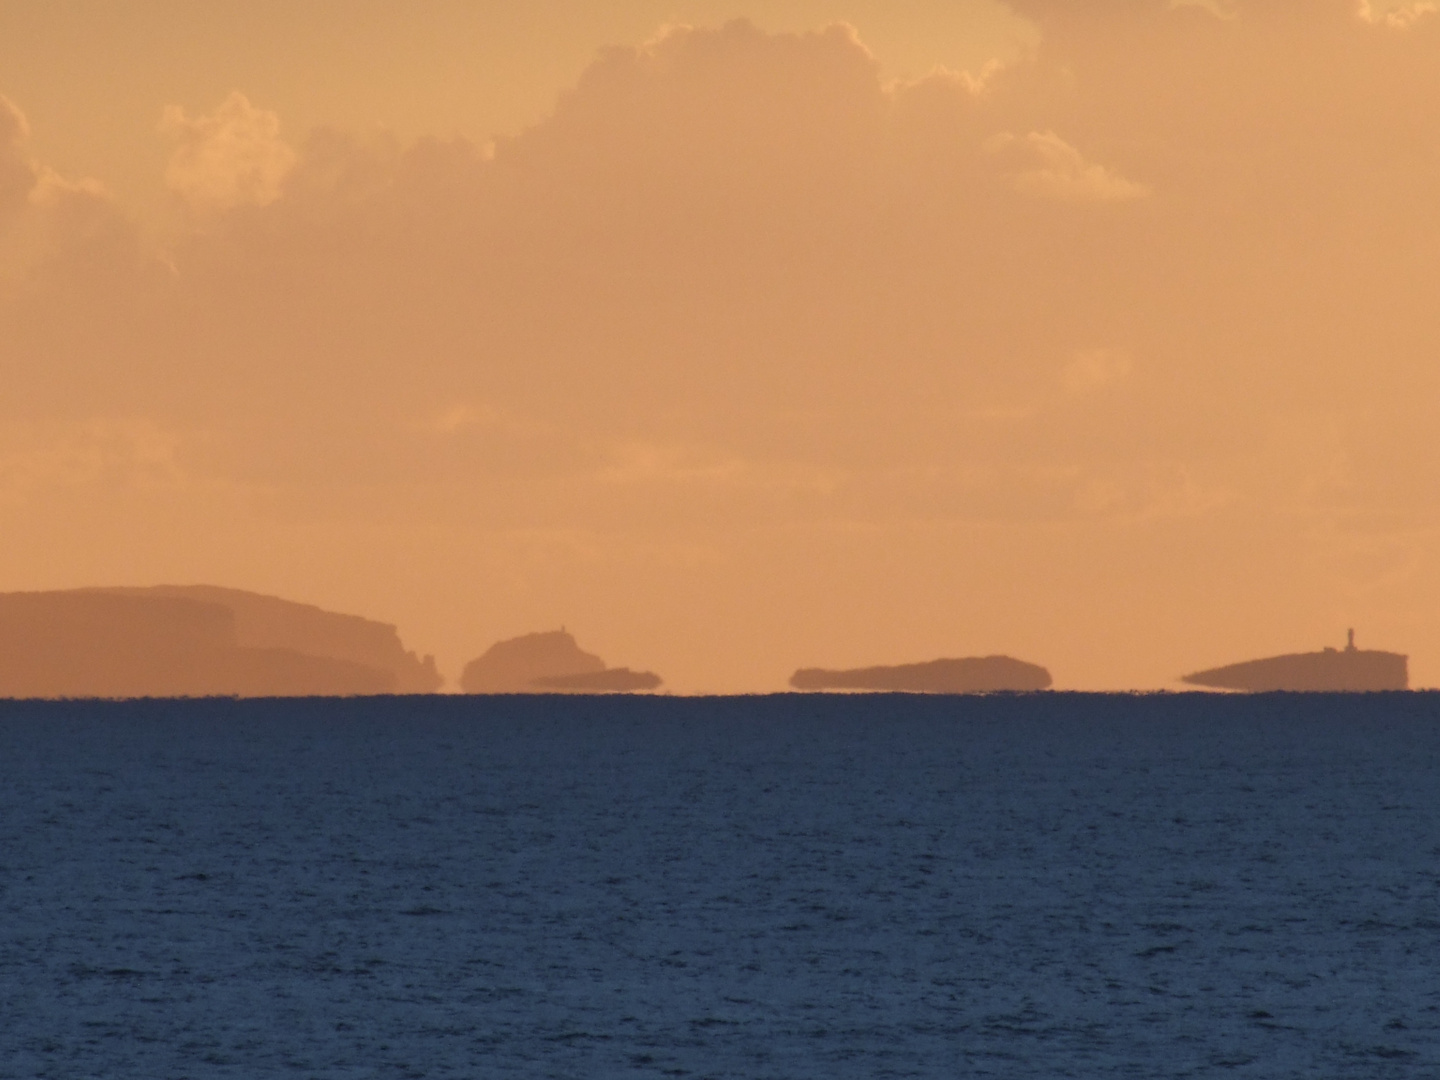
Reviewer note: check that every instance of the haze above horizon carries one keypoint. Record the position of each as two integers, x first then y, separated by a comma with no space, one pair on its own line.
1101,333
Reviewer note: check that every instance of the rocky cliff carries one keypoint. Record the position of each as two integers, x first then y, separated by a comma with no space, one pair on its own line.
268,622
188,642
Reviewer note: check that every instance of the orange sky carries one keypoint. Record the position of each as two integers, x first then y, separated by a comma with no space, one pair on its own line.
736,346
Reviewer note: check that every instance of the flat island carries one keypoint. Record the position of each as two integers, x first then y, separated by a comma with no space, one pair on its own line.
968,675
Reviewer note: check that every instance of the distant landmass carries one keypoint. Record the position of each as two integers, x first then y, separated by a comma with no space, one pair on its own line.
1333,670
611,680
196,641
969,675
548,662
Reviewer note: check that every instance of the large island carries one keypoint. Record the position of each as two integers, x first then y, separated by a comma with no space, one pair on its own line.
196,641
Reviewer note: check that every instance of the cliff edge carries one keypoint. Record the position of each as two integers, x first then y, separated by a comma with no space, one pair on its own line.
269,622
188,641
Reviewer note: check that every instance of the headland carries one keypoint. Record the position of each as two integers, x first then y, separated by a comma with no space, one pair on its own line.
196,641
1347,670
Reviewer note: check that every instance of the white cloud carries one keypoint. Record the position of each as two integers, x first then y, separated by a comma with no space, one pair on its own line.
967,82
231,157
1045,166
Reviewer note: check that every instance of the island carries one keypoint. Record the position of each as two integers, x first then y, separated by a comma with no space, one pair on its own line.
610,681
549,662
196,641
968,675
1348,670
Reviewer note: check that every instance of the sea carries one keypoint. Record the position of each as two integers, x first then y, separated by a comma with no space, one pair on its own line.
789,886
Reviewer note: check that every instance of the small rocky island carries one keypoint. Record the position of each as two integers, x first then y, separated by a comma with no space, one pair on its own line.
1347,670
196,641
969,675
550,662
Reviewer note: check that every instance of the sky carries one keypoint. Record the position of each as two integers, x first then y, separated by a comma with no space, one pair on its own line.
737,339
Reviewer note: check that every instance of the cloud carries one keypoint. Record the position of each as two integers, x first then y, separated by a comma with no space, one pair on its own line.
1045,166
48,221
725,113
17,171
1399,15
231,157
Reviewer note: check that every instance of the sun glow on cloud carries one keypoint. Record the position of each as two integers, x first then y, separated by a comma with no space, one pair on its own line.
1044,165
231,157
1396,13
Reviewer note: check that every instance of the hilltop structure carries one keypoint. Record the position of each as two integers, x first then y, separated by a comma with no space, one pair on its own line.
196,641
969,675
1333,670
550,662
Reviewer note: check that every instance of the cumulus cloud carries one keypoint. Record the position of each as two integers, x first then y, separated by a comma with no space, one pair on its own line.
728,112
49,221
231,157
1045,166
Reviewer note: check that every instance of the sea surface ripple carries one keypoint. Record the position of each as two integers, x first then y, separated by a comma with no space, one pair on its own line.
793,886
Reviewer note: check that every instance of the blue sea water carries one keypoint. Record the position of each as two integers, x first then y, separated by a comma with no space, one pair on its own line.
793,886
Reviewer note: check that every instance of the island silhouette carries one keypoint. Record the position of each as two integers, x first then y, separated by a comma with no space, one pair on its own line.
548,662
968,675
196,641
1331,670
